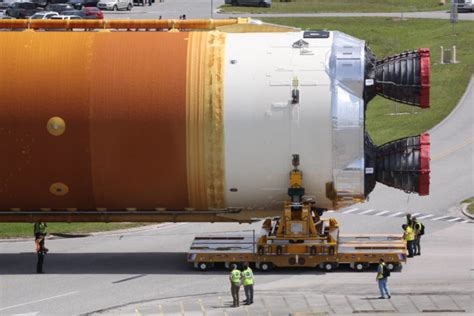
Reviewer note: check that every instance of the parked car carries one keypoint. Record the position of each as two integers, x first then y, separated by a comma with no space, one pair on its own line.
86,13
465,5
44,15
59,7
22,10
254,3
93,13
115,5
4,4
79,4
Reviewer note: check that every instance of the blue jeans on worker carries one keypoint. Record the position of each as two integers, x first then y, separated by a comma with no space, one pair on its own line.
383,287
410,246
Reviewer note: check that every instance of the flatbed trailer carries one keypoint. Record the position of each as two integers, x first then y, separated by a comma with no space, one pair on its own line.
356,251
298,238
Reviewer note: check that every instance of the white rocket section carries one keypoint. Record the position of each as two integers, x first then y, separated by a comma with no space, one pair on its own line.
263,129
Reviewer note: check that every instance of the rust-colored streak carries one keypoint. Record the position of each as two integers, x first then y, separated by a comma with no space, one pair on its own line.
137,117
37,82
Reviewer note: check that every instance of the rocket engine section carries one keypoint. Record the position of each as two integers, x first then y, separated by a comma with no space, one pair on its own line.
145,121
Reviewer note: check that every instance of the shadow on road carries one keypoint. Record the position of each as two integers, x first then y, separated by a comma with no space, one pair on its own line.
124,263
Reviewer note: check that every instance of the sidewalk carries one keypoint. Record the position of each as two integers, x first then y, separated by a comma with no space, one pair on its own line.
303,303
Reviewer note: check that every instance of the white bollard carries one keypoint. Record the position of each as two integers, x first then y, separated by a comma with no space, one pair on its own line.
453,55
441,60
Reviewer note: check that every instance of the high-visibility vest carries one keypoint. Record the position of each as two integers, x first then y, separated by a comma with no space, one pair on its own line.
235,276
417,226
380,274
248,276
409,234
40,228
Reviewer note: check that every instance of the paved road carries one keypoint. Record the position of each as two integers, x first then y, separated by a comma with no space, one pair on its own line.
452,166
142,270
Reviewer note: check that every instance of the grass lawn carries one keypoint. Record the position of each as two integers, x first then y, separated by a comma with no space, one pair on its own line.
26,229
386,37
470,208
315,6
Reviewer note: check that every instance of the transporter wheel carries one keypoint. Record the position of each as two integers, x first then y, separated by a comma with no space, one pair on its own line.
328,266
266,266
392,266
262,4
204,266
129,7
359,266
115,8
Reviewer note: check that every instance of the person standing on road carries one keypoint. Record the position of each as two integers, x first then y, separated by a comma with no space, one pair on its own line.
235,277
247,278
409,237
419,230
41,251
381,278
40,229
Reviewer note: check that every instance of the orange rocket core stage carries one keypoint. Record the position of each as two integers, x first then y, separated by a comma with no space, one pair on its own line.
111,120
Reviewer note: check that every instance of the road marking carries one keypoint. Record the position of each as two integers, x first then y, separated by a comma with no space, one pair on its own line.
414,214
381,213
426,216
37,301
350,211
397,213
366,212
466,221
455,219
438,218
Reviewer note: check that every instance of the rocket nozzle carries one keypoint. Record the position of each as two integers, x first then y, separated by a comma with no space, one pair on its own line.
404,78
403,164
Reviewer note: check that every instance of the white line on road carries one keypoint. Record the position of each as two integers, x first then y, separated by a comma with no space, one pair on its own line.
454,219
438,218
426,216
366,212
414,214
466,221
397,213
381,213
350,211
37,301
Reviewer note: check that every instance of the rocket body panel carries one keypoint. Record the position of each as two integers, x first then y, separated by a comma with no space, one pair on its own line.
262,126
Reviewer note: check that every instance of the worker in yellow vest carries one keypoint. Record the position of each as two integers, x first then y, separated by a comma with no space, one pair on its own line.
235,277
419,230
382,276
409,237
247,280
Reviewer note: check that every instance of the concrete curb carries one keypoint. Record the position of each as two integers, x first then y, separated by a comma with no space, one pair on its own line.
81,235
465,212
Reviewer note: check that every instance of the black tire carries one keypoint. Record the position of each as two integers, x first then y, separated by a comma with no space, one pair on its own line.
262,5
129,7
115,8
392,266
235,3
359,266
203,266
328,266
265,266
